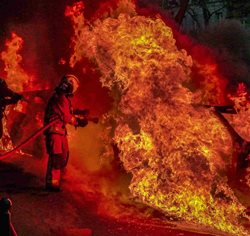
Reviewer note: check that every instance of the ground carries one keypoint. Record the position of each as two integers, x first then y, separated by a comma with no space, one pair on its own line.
37,212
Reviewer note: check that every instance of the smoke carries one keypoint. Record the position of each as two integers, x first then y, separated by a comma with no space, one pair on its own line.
230,43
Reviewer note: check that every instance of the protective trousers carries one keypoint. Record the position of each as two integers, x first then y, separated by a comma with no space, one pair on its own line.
57,148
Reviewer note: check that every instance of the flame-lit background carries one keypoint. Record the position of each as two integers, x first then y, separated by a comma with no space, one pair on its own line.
156,144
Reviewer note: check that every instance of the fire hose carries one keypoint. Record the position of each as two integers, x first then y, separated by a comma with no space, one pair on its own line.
28,140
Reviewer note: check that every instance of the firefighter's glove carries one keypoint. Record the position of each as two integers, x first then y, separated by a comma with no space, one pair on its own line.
81,122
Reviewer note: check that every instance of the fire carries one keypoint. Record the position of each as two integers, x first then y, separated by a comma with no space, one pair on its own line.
176,152
75,14
241,103
5,142
241,121
213,85
241,99
16,78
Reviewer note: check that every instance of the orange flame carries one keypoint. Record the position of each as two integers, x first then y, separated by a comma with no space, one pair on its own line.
213,85
5,142
241,102
75,14
177,153
241,99
17,78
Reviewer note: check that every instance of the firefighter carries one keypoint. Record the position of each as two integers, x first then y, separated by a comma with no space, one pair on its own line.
59,106
7,97
6,226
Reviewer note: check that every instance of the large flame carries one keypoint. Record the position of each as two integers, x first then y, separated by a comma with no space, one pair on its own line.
177,153
17,80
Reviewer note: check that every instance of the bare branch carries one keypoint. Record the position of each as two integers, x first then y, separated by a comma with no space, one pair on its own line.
182,10
194,17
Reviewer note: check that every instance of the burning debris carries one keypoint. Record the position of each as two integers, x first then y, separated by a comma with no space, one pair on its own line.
177,153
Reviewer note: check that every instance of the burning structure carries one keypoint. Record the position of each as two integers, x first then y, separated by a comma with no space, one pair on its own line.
178,152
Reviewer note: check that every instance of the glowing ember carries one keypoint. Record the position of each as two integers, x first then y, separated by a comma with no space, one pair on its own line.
177,154
16,77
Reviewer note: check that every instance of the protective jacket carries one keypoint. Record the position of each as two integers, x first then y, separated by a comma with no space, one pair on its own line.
59,106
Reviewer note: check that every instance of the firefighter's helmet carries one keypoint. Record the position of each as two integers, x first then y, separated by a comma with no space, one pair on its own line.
5,204
69,84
